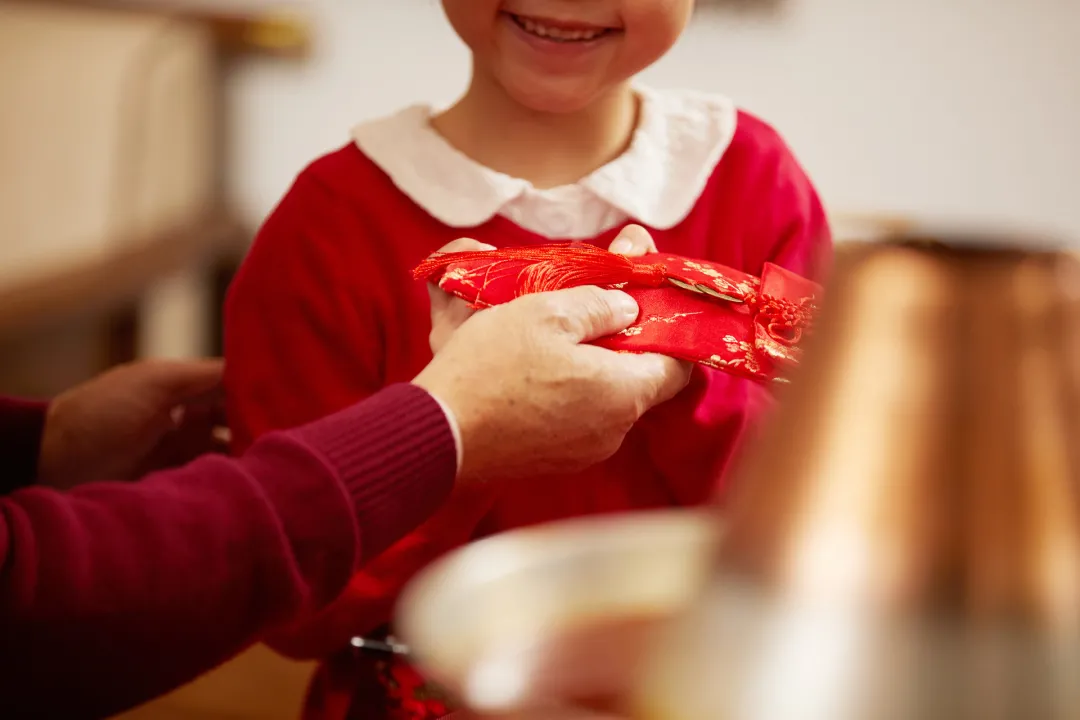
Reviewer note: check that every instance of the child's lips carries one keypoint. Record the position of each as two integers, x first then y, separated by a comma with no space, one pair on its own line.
565,24
560,31
564,42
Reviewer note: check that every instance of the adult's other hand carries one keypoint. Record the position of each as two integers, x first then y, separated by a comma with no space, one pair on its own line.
134,419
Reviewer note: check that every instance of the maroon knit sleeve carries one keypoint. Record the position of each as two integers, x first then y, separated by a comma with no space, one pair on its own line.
21,425
115,593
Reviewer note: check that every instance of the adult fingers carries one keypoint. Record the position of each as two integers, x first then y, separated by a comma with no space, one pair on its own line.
465,245
184,380
583,313
658,378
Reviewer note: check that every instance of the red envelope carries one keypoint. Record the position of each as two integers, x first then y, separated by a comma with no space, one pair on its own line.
693,310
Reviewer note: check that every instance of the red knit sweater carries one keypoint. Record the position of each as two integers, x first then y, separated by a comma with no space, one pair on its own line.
115,593
324,312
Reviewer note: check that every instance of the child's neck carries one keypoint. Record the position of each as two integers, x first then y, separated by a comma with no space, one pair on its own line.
547,149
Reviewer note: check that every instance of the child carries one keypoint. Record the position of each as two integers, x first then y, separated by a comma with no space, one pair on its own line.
549,142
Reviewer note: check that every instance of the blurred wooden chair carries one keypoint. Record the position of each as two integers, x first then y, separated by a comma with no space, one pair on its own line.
112,210
107,131
869,226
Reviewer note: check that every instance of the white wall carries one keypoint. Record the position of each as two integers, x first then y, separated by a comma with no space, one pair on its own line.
954,108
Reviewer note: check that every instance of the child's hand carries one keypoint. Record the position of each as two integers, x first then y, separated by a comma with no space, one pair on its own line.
448,311
633,241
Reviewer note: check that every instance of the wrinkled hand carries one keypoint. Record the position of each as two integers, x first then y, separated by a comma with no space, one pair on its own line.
132,420
449,312
531,398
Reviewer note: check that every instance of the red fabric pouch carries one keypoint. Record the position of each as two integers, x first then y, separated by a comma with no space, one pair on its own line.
693,310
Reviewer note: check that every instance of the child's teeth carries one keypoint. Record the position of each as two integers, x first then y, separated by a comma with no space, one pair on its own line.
557,33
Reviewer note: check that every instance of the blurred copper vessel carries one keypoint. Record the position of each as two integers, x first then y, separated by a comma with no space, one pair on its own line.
903,544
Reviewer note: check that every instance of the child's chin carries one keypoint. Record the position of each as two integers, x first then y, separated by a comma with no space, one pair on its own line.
553,97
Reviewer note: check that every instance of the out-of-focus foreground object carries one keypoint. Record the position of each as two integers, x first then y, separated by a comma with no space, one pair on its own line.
904,542
554,613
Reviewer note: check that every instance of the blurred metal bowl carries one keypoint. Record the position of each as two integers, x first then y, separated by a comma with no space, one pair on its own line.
557,614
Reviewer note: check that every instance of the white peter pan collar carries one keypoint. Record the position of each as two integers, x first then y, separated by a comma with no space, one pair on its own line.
680,138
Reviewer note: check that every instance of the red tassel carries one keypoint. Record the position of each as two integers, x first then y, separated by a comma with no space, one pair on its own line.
437,263
554,267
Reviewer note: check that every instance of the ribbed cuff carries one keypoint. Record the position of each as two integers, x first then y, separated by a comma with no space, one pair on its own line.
455,428
22,423
396,454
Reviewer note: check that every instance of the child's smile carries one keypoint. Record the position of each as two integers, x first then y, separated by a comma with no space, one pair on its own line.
558,56
558,45
560,31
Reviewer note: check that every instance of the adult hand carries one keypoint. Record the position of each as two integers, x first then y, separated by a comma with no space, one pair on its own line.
531,398
132,420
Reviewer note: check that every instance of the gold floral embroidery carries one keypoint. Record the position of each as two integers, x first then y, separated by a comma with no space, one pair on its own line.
459,274
734,346
468,278
776,350
745,290
639,328
705,289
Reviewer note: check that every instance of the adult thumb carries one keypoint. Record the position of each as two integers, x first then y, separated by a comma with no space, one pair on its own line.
587,313
188,379
659,377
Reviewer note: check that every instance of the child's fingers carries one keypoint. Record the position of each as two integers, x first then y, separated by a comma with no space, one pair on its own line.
447,314
633,241
447,308
448,311
465,245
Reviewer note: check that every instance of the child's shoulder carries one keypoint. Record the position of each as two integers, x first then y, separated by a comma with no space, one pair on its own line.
702,143
709,117
338,171
342,190
758,139
360,166
702,133
391,160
